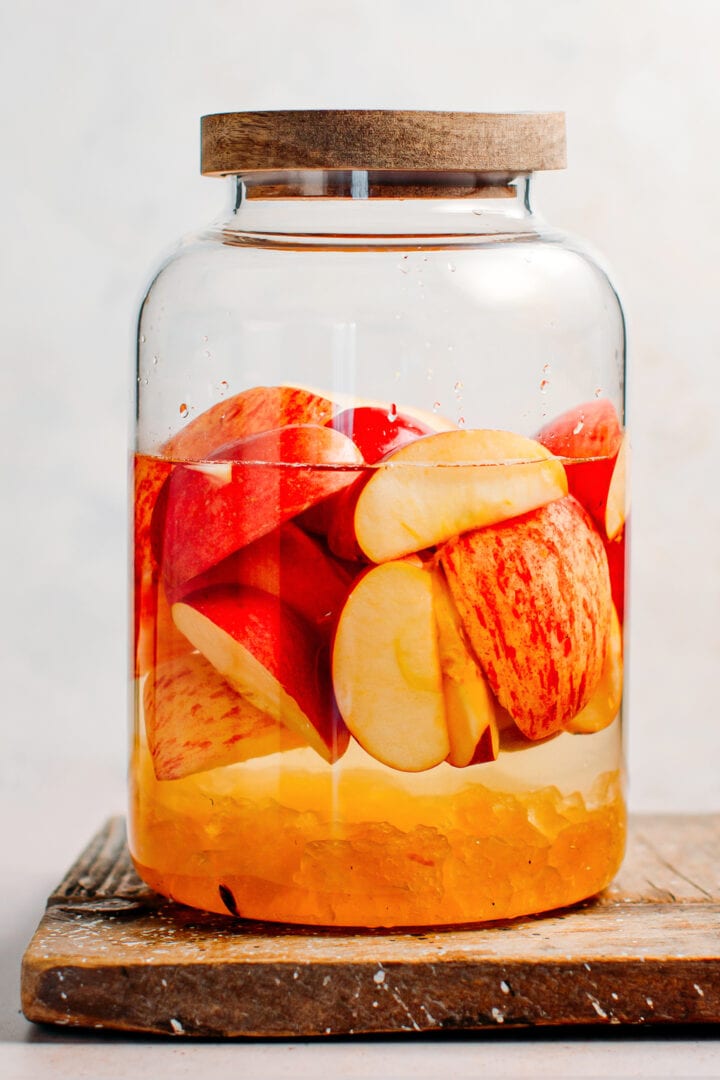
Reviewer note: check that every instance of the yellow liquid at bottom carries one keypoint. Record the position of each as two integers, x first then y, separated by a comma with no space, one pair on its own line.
289,839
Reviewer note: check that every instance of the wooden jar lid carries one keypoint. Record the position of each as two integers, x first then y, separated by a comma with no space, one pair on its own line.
381,139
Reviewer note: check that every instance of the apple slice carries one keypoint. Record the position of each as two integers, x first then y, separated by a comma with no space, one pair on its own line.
470,708
617,561
208,511
195,721
602,708
261,408
289,564
616,510
445,484
270,656
386,668
591,438
378,431
534,598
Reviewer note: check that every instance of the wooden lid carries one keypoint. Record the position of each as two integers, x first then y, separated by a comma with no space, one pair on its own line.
381,139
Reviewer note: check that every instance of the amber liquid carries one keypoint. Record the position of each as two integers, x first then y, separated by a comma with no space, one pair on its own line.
289,837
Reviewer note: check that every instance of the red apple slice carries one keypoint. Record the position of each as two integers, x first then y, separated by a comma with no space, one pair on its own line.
470,708
289,564
445,484
195,721
534,598
378,431
603,706
208,511
590,436
386,668
260,409
616,554
270,656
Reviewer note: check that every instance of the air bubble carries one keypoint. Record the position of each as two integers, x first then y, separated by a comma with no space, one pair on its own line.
184,410
544,385
436,406
205,337
458,385
224,386
155,360
598,391
392,413
461,421
451,267
142,339
578,427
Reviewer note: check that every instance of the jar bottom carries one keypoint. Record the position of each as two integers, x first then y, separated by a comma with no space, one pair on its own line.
472,856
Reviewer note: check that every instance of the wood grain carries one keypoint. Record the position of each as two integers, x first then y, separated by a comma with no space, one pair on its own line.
373,139
110,953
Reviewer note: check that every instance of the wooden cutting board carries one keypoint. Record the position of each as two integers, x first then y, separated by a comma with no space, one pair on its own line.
109,953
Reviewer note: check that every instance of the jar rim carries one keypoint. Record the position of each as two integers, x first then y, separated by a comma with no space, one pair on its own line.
381,139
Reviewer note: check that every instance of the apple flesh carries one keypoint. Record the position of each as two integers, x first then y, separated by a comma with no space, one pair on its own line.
195,721
603,706
270,656
448,483
261,408
534,598
208,511
471,711
386,668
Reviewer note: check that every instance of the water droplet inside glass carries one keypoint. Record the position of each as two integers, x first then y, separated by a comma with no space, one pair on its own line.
155,360
451,267
458,385
184,410
205,337
598,391
392,413
142,339
436,406
544,385
461,421
223,386
578,427
546,368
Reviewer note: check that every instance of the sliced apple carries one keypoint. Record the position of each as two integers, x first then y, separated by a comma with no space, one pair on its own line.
445,484
617,507
270,656
616,551
589,430
378,430
470,708
194,721
534,598
590,437
261,408
208,511
386,668
603,706
289,564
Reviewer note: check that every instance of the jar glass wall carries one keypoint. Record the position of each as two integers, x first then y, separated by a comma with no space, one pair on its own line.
379,556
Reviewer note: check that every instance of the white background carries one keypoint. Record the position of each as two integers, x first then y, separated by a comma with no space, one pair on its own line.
100,146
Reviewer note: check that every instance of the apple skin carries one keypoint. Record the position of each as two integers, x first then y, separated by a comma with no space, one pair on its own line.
261,408
195,721
289,564
470,708
374,432
616,551
386,668
206,512
589,437
270,656
445,484
534,597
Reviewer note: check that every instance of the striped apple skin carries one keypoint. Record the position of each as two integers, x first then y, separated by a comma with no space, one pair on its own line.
534,597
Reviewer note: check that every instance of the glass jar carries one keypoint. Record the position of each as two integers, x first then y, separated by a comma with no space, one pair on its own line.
379,533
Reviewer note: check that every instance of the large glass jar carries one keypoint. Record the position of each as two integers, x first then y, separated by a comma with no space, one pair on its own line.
379,533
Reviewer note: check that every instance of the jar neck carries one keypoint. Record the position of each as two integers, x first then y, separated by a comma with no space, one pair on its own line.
362,205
